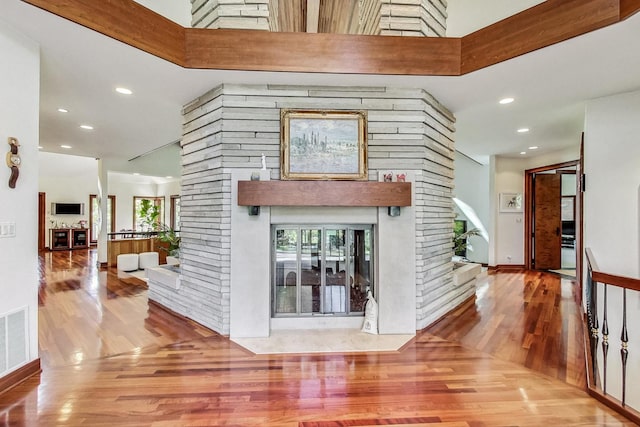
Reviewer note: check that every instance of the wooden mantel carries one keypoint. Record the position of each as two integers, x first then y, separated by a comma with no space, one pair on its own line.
323,193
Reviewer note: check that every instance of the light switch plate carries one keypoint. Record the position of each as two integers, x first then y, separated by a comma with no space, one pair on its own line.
7,229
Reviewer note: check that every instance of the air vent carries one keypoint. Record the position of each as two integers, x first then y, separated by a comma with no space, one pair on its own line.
13,340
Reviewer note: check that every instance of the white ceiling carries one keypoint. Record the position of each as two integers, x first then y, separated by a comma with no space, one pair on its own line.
81,68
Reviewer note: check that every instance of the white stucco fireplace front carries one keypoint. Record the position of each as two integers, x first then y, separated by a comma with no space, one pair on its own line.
251,304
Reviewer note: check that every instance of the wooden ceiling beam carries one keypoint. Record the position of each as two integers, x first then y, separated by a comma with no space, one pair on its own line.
548,23
628,8
321,53
543,25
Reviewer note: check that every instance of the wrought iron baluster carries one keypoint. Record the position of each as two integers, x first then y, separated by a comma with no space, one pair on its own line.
605,342
592,317
624,351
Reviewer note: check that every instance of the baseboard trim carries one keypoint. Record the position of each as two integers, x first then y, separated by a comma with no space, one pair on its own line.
503,267
20,375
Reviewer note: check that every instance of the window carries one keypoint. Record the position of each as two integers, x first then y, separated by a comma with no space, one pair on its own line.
148,212
321,270
94,216
175,212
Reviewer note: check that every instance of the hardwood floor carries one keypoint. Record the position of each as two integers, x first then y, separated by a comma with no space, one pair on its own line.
86,314
530,318
140,366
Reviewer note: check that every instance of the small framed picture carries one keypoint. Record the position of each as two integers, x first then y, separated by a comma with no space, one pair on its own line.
510,202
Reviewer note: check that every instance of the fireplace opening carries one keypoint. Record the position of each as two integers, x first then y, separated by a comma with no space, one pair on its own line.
321,269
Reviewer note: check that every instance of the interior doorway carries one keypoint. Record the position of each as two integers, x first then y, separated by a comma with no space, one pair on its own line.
551,215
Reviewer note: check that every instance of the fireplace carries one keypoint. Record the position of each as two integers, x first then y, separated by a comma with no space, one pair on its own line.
227,279
321,270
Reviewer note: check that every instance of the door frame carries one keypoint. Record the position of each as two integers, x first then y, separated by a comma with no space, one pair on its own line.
42,215
528,209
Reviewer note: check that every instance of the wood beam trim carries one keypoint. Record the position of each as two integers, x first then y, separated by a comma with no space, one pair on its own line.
629,8
543,25
125,21
332,53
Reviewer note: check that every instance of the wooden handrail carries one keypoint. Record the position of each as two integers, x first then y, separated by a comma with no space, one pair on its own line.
610,279
548,23
596,326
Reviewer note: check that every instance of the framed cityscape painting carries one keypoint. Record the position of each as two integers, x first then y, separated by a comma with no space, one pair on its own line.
323,145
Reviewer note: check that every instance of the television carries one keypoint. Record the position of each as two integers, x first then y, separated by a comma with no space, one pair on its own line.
67,208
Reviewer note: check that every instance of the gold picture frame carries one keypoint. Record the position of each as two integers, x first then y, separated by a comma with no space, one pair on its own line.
323,145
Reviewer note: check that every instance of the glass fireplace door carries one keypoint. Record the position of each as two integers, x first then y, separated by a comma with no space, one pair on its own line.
321,270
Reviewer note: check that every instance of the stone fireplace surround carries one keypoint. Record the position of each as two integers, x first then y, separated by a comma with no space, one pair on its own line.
225,254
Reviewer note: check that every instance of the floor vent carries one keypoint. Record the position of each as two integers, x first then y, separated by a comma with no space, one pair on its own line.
13,340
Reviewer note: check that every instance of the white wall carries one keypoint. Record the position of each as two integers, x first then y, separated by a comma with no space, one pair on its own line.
506,234
20,87
467,16
167,190
66,179
178,11
71,179
612,168
472,187
611,220
124,187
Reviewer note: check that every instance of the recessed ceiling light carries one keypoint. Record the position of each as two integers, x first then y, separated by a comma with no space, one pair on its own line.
168,176
86,127
523,130
65,146
39,147
136,173
124,90
523,152
506,101
63,110
535,147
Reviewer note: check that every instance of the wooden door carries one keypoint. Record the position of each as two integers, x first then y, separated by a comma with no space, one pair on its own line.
42,216
547,221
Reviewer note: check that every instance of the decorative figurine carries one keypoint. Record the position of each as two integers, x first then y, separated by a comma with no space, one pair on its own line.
264,162
388,177
13,161
400,177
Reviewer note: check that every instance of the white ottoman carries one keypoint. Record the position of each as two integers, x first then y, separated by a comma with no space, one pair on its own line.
148,259
127,262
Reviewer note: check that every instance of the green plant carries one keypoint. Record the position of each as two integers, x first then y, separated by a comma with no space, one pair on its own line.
149,213
169,236
460,240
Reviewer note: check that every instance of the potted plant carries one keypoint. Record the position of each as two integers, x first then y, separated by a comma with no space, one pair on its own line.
461,242
172,239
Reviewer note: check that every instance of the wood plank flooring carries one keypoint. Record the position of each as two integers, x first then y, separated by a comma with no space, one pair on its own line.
164,371
527,317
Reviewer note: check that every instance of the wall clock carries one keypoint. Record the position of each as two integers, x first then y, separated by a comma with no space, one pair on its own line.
13,161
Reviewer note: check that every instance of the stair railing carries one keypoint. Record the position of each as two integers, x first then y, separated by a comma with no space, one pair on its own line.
599,285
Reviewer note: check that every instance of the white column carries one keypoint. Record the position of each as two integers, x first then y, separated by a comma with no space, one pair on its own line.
103,192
